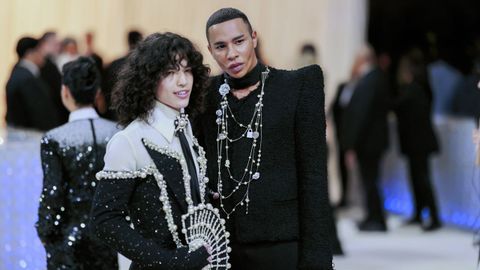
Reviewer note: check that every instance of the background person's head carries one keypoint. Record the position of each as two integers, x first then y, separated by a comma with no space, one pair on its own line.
308,55
81,80
232,41
69,46
412,68
28,49
164,67
364,60
134,37
50,44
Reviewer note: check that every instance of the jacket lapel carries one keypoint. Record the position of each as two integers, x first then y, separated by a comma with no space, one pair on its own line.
172,174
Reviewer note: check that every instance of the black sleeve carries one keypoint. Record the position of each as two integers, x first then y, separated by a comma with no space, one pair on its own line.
108,222
51,211
310,144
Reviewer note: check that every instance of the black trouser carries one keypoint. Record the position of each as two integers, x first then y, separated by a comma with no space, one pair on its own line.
421,186
343,176
369,170
263,256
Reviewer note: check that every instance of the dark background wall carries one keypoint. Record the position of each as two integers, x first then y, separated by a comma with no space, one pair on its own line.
447,29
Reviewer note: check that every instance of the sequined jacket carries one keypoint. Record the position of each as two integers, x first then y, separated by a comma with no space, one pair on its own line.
125,198
71,156
290,200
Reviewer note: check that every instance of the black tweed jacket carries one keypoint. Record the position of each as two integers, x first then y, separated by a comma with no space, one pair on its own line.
290,200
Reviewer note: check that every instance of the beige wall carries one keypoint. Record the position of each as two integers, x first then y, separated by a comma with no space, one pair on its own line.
283,25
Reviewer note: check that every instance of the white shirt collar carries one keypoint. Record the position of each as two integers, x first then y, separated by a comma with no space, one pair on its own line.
30,66
163,120
83,113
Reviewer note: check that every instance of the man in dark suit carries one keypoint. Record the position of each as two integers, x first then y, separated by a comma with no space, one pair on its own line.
267,164
340,103
50,47
29,103
364,133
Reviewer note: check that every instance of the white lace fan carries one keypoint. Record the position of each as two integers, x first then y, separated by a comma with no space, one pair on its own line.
203,225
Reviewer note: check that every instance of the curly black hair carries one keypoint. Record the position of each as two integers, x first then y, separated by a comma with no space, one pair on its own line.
133,95
82,78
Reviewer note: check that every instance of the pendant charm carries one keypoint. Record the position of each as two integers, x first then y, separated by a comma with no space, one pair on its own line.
250,133
224,89
181,122
219,112
219,121
256,176
222,136
255,135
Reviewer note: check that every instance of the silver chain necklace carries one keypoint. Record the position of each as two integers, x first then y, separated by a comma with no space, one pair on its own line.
253,130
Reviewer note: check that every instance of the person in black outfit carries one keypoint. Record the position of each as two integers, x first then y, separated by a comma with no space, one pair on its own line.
145,179
111,73
342,98
364,134
71,155
90,51
417,137
266,151
29,102
50,47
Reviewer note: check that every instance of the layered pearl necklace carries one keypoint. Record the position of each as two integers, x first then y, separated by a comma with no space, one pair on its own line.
251,131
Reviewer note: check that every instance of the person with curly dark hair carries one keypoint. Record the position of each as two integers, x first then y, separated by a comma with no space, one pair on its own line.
134,95
154,169
71,156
